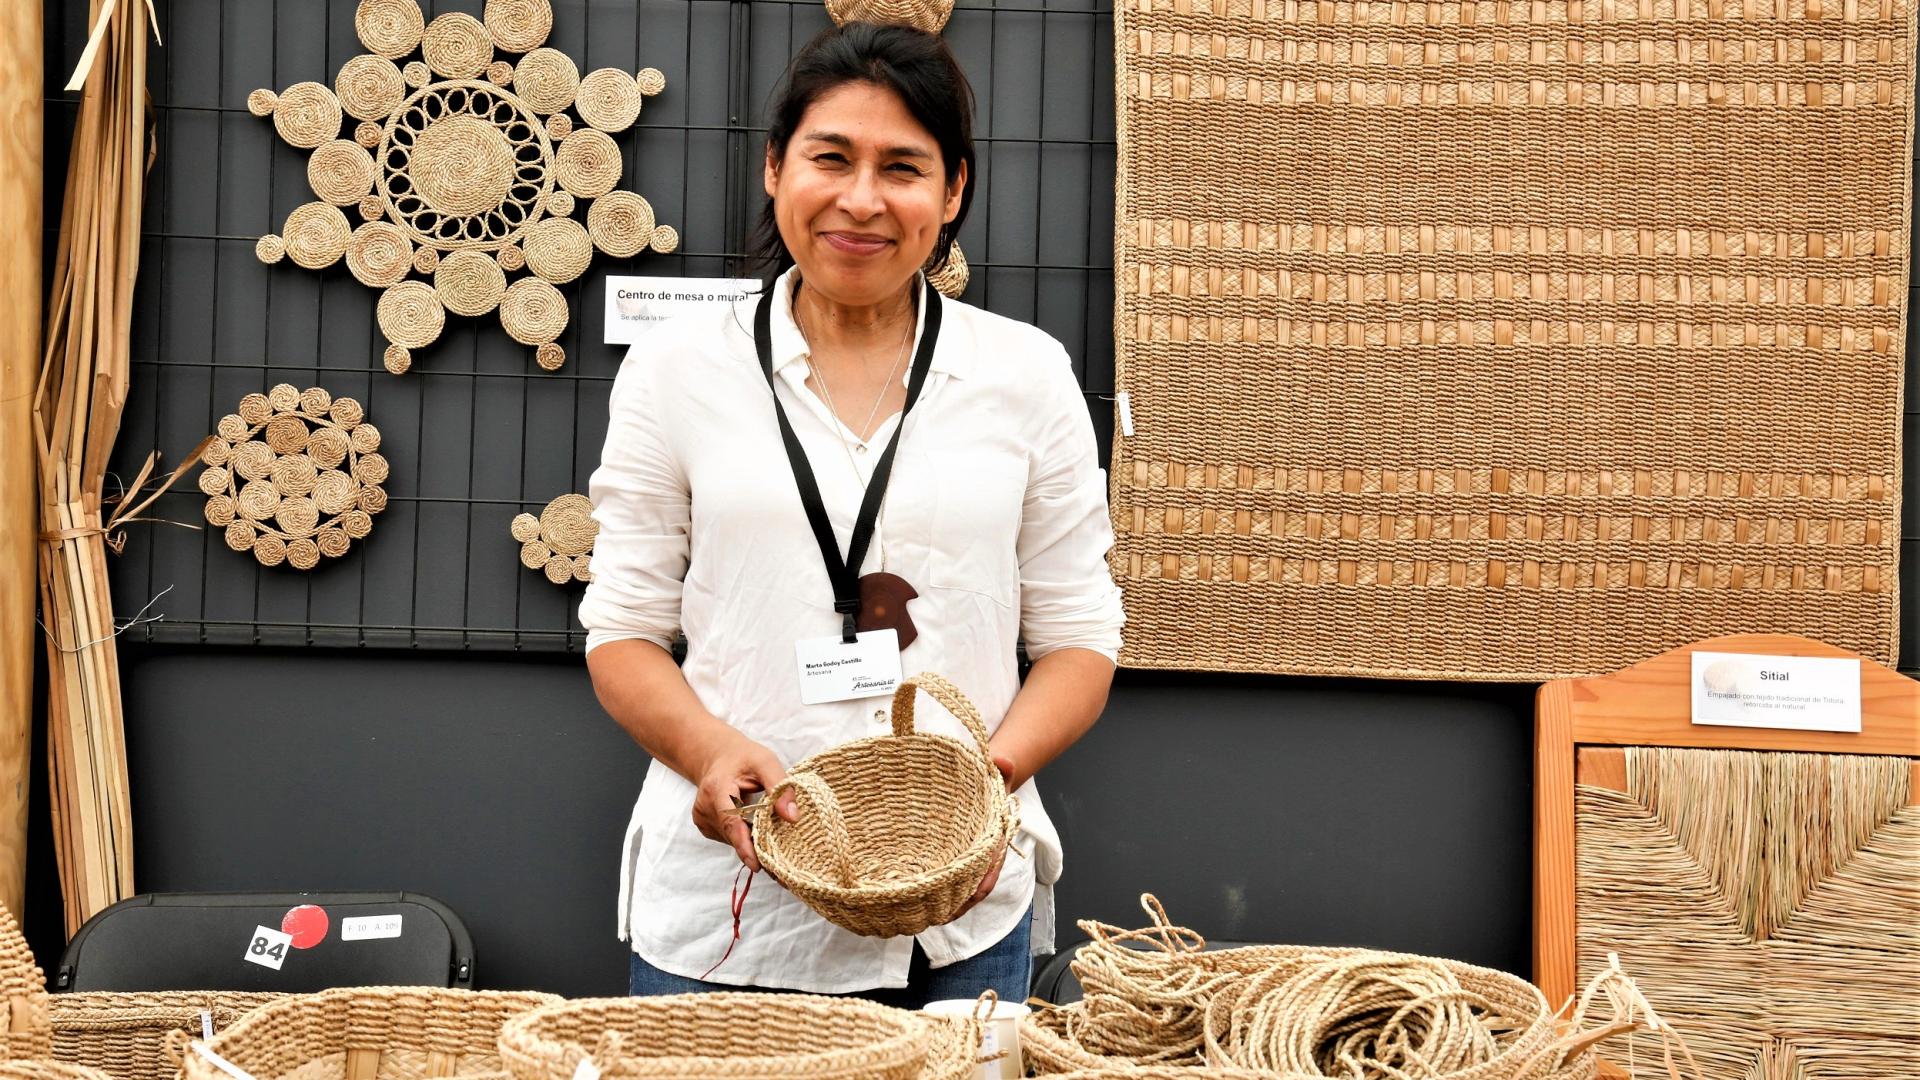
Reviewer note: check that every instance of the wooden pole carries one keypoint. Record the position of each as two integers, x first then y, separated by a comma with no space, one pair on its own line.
22,166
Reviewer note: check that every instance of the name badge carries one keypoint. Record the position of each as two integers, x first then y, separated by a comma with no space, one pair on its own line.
832,670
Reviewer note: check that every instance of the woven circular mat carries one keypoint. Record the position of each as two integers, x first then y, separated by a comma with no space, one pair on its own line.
519,25
951,278
468,169
559,542
928,15
291,475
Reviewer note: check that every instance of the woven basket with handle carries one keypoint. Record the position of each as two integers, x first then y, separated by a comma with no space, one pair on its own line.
125,1034
723,1035
366,1033
25,1030
895,832
42,1069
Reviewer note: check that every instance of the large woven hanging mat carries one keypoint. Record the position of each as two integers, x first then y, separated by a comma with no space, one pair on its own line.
461,162
1507,340
1768,900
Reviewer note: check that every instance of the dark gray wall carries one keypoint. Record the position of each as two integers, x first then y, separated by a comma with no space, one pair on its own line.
1256,808
442,736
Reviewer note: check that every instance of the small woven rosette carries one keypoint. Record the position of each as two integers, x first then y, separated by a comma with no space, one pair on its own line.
294,475
559,542
725,1035
895,832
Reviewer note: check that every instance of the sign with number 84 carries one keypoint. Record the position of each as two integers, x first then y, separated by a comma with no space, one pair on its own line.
269,947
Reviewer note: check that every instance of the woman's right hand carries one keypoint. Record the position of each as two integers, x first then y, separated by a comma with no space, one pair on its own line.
734,768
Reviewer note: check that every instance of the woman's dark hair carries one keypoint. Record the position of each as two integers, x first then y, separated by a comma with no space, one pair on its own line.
913,64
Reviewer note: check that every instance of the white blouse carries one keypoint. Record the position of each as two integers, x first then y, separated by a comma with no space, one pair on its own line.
996,514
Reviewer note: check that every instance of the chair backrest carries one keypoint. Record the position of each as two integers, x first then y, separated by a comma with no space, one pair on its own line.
1583,725
213,941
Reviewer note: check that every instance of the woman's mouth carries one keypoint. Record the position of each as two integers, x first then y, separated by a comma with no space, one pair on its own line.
856,243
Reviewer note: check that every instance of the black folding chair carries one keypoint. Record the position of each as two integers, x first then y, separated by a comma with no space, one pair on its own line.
288,942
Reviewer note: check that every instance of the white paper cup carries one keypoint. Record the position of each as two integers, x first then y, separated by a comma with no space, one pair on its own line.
1000,1032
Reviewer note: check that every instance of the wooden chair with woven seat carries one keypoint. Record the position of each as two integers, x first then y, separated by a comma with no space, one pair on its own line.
1762,885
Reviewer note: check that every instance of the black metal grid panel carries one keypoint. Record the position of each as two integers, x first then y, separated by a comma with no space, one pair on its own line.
476,433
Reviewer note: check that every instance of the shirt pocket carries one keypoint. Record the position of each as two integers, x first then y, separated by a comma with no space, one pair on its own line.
976,527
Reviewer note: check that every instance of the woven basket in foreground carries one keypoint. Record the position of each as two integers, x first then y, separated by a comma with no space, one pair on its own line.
125,1034
895,832
369,1033
42,1069
720,1035
25,1032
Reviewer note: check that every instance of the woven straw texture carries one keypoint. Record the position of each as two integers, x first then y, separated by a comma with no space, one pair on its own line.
951,278
469,164
26,1032
370,1033
928,15
1445,329
293,476
895,832
560,541
1155,1000
43,1069
126,1035
1768,902
721,1035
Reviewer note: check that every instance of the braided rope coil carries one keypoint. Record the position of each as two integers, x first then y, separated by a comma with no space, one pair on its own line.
1155,999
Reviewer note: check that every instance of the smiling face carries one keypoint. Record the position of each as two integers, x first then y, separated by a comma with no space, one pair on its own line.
861,194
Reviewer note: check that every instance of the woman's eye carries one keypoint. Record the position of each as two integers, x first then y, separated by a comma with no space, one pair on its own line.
904,169
830,159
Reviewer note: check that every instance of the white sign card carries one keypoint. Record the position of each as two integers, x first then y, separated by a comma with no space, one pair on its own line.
1802,693
370,927
636,305
832,670
269,947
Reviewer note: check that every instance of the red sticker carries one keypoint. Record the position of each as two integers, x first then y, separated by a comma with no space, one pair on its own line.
307,924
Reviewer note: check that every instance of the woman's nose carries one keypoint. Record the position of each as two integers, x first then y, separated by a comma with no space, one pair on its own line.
860,198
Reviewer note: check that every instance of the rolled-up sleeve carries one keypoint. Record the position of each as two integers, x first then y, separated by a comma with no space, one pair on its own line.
642,502
1067,595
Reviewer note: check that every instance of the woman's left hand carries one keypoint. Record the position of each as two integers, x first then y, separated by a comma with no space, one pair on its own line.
1005,765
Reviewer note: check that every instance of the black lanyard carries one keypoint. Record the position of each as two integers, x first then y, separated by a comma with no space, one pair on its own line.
844,573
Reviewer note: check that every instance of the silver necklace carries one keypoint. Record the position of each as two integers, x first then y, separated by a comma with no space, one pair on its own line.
906,339
826,392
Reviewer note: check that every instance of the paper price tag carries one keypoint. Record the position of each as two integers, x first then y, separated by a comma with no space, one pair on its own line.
370,927
268,948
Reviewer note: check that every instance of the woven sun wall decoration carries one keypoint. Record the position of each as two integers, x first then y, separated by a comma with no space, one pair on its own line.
1505,340
1766,901
294,475
466,168
559,542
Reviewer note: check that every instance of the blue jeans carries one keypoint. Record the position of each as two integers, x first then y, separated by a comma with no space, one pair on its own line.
1006,967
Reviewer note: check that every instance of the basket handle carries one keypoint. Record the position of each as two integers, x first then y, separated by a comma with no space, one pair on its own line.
810,788
950,697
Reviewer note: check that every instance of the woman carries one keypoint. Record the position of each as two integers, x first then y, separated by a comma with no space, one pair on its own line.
777,479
